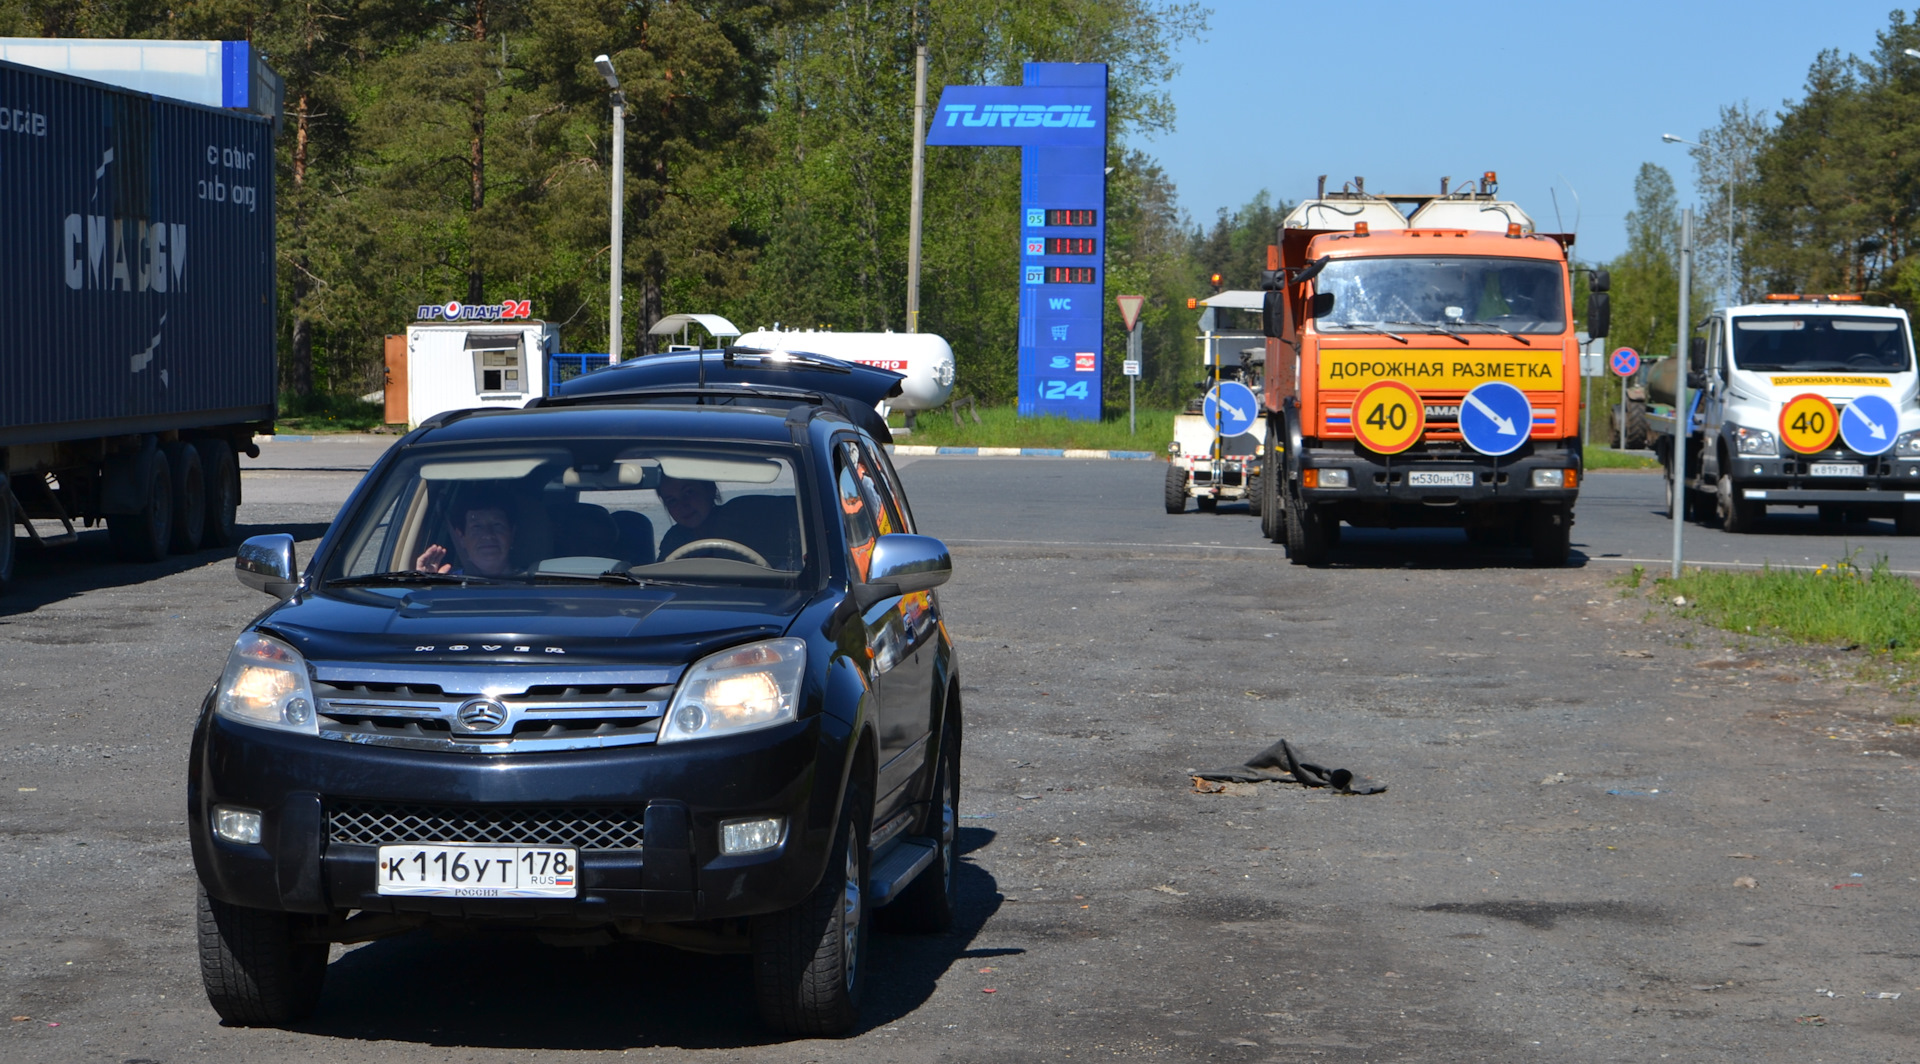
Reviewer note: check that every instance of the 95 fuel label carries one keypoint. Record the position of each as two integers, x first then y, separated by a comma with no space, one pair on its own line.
1388,417
1808,423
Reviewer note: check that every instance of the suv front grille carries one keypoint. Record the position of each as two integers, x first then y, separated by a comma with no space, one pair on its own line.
534,709
584,828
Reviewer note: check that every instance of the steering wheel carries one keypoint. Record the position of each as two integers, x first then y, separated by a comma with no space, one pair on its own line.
727,545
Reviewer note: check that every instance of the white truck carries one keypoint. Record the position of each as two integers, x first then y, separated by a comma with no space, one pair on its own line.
1798,401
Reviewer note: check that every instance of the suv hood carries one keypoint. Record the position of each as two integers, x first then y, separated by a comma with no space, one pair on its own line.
522,624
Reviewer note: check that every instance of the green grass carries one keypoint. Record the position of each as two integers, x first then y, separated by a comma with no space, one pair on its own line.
1840,604
1000,427
1597,457
328,413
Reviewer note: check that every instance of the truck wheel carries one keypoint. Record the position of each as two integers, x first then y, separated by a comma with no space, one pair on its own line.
1907,521
1550,530
1638,432
1737,515
1273,520
256,973
147,535
926,906
1306,535
808,969
1695,509
221,474
1254,499
8,549
1176,492
189,496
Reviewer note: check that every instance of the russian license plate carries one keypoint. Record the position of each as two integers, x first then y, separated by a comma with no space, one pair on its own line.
451,870
1837,469
1431,479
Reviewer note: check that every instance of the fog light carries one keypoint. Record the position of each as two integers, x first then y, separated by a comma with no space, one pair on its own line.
1549,478
1333,478
237,825
1756,471
752,836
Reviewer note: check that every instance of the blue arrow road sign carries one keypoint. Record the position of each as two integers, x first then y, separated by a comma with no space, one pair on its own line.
1869,424
1231,408
1625,362
1495,418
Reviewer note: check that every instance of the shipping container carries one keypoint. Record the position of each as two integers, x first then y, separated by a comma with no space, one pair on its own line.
137,248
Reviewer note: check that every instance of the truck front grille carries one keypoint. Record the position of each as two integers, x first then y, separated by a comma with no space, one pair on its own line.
586,828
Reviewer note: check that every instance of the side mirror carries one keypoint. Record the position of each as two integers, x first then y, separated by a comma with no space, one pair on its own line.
901,565
1697,354
1598,281
265,563
1599,312
1322,305
1273,313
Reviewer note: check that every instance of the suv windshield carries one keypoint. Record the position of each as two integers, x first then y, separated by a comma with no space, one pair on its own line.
579,511
1515,295
1820,342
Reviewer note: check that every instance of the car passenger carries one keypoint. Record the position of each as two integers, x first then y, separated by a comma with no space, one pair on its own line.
764,523
482,537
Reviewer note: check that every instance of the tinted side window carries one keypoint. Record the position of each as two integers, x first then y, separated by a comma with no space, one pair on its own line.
874,475
860,511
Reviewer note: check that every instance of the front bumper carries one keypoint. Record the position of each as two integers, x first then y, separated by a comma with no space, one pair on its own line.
672,871
1887,484
1379,482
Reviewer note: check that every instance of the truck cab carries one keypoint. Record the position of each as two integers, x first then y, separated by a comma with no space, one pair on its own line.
1764,382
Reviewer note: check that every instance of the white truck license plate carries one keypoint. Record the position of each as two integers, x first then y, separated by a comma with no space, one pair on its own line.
452,870
1461,479
1837,469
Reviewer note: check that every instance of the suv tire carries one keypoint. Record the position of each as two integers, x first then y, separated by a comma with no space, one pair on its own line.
256,974
809,961
926,906
1176,490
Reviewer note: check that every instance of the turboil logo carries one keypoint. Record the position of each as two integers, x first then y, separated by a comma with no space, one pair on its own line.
1020,115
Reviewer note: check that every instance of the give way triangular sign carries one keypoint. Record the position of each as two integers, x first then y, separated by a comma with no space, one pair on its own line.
1130,309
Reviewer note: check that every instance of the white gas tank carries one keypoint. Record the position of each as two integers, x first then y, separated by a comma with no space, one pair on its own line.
925,358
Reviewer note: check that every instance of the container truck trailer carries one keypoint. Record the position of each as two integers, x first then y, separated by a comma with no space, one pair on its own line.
137,354
1422,370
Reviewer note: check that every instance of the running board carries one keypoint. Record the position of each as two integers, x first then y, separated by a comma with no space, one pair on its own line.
892,873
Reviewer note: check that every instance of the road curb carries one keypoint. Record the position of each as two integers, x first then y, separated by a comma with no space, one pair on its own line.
927,451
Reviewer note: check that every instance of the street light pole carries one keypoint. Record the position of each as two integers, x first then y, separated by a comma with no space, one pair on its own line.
919,186
616,268
1682,417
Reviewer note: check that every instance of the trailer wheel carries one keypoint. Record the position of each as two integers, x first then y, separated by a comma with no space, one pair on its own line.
1306,535
222,476
1550,529
8,549
1737,515
189,496
146,536
1176,491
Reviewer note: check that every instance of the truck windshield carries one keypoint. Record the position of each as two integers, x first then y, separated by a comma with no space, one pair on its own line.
1464,294
1820,342
579,511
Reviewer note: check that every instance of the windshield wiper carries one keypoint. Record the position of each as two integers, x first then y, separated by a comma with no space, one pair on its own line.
1501,329
408,576
1441,329
1368,326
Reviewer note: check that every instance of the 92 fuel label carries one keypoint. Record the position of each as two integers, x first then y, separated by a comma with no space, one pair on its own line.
1808,423
1388,417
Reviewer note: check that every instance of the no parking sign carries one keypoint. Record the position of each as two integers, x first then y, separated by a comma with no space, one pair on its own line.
1625,362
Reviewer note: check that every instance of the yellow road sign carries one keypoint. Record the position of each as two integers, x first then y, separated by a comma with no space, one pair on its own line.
1533,370
1388,417
1808,423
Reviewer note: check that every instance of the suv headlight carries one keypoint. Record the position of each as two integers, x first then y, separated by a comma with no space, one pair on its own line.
738,690
266,683
1907,444
1754,441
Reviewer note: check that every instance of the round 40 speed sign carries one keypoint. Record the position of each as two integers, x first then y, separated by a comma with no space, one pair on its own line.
1388,417
1808,423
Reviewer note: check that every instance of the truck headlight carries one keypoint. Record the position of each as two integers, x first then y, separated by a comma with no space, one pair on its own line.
742,689
1907,444
266,683
1754,441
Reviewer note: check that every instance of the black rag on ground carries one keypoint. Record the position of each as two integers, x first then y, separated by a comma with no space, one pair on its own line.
1294,768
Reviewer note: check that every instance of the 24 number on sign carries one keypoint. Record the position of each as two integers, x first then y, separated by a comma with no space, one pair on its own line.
1063,389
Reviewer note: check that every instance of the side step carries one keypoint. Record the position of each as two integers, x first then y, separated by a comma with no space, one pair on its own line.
891,874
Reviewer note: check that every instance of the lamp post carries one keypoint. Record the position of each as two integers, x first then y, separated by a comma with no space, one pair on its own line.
616,268
1733,255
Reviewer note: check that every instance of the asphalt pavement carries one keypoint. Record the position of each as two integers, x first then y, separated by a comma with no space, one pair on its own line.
1608,834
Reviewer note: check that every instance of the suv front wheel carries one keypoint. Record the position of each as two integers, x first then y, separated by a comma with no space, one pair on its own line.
808,960
257,972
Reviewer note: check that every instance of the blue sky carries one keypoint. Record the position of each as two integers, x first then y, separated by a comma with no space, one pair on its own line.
1402,93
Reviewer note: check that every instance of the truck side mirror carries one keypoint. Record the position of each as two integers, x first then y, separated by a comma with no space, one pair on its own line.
1598,281
1322,304
1697,354
1599,312
1273,312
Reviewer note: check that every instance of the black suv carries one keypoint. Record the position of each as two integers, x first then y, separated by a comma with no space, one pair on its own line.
660,658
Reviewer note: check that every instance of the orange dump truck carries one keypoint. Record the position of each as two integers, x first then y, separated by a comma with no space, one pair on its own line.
1422,370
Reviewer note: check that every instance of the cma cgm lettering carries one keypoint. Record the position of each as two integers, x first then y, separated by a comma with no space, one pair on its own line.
124,254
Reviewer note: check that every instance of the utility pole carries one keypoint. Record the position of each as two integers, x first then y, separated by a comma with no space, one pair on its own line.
616,268
919,186
1682,417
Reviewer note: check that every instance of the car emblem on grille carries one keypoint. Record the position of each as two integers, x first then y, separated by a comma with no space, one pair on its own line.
481,715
